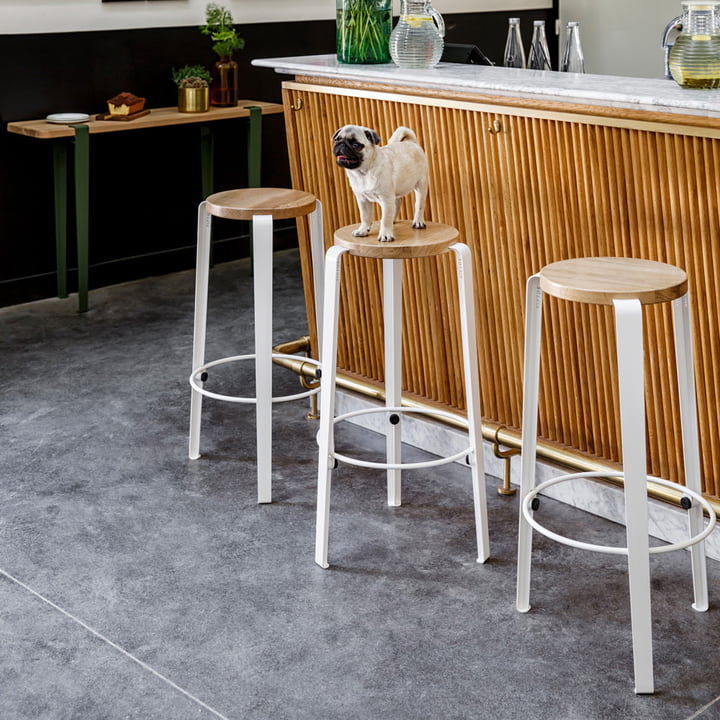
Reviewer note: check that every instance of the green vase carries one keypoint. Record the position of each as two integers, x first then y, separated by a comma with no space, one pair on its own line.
363,31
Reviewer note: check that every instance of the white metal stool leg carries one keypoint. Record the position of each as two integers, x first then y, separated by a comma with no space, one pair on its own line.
392,319
263,292
472,394
629,329
531,380
328,361
317,250
201,301
690,440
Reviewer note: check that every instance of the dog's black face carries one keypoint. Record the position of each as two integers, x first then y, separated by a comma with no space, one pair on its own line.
349,144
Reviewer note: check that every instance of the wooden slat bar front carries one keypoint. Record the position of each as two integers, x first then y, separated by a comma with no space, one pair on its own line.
528,184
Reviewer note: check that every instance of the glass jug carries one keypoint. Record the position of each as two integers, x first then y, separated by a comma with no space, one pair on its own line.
695,57
417,40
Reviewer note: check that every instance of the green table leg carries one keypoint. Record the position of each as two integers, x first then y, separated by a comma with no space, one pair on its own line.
207,171
254,146
82,210
206,160
60,185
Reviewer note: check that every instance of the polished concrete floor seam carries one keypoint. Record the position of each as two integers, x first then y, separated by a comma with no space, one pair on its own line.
110,643
173,561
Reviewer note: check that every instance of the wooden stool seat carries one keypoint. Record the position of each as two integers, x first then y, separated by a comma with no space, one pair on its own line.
408,244
433,239
602,280
626,284
246,203
260,206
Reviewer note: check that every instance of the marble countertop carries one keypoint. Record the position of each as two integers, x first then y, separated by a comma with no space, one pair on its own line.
655,95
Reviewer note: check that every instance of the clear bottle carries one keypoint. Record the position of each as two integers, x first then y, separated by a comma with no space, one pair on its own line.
695,57
573,59
514,52
539,54
417,40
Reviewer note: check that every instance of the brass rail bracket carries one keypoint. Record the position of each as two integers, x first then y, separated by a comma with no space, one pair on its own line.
506,455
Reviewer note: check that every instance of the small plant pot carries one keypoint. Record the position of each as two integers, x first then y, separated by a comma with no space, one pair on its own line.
193,100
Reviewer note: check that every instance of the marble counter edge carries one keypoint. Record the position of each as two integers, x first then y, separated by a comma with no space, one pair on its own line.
652,95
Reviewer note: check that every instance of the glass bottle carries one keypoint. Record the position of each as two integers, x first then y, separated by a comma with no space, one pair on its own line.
224,85
362,31
695,57
573,59
417,40
514,52
539,54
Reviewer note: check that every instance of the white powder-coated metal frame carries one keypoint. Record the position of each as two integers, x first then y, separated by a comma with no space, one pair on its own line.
262,249
392,314
629,330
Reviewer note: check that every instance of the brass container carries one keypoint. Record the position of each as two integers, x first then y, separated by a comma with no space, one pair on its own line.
193,100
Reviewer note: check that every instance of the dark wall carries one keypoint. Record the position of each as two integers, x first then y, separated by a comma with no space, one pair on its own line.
145,184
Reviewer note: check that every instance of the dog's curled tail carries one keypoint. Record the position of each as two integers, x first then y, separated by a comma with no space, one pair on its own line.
402,133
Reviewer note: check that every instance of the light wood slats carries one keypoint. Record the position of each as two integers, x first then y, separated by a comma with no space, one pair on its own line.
540,189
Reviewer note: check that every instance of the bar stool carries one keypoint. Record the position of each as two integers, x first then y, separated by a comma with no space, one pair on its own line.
409,243
627,284
261,206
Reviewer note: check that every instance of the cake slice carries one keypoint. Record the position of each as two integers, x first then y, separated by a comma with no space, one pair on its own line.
125,103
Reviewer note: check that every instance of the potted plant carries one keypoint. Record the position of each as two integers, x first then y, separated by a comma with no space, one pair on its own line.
193,83
219,26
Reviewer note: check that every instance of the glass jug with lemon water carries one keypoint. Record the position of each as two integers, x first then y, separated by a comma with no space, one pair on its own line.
417,40
694,60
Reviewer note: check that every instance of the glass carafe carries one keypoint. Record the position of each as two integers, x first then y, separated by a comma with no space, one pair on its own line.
695,57
514,55
573,59
539,54
417,40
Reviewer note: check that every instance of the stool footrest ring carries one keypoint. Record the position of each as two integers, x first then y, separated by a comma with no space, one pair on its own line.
399,466
613,550
196,383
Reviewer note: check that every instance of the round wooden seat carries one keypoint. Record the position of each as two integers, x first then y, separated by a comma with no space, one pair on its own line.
600,280
625,284
244,204
408,243
261,207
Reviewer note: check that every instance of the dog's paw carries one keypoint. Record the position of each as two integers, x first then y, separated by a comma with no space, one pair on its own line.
387,237
362,231
419,225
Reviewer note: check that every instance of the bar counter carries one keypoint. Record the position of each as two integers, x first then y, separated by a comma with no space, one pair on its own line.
532,167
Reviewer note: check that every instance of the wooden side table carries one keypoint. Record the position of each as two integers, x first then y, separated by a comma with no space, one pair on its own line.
78,136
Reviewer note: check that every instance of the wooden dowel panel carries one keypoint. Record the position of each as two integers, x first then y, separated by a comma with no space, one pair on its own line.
524,193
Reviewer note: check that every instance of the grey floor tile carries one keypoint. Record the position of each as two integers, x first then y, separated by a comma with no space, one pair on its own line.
173,560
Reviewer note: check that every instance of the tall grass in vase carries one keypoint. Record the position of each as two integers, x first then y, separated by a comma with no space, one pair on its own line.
363,31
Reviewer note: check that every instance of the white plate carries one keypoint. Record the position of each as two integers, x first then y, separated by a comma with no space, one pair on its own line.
67,118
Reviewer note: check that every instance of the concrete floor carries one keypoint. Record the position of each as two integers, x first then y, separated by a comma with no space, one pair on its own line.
135,583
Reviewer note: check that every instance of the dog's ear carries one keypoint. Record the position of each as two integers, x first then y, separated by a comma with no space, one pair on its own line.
336,135
372,136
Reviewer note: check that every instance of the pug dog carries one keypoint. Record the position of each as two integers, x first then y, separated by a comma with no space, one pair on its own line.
382,174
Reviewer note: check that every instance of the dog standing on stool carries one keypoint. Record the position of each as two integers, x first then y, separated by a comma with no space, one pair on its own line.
382,174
